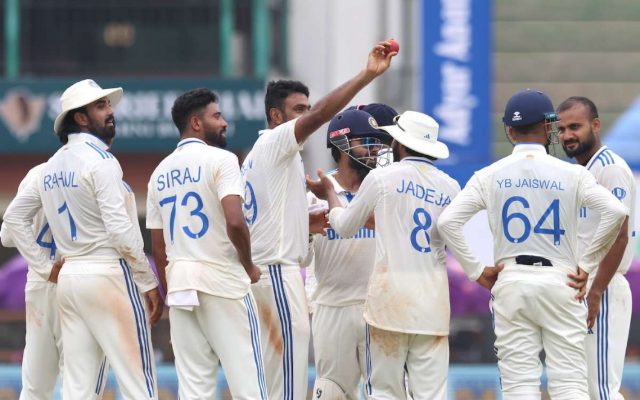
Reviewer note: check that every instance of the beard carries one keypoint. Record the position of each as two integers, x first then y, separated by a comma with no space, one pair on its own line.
582,147
361,170
216,138
105,132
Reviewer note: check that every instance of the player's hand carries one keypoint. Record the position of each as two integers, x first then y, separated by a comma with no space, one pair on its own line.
319,221
326,182
155,304
254,273
490,276
316,187
55,271
579,282
593,307
379,60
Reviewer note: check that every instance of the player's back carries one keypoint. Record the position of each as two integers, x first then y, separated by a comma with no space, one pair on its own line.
275,200
533,201
185,193
408,291
70,196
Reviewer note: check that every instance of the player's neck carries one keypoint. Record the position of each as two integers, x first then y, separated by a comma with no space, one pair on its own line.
348,177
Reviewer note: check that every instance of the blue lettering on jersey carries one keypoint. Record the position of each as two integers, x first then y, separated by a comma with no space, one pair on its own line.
429,195
583,212
177,177
363,233
60,179
539,184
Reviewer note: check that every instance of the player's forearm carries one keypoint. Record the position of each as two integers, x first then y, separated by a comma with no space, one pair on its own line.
605,235
239,235
331,104
611,262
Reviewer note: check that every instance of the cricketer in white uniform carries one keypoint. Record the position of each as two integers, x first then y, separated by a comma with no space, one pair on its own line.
194,211
85,202
407,303
275,208
42,360
341,267
533,201
606,343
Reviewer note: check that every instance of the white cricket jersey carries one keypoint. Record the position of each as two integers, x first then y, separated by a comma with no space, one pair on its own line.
408,289
184,200
532,201
342,265
83,197
612,172
275,204
40,228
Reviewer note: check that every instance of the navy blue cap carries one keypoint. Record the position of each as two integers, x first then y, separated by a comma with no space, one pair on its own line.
382,113
351,124
527,107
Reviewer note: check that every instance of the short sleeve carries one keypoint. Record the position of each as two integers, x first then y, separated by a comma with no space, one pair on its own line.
227,177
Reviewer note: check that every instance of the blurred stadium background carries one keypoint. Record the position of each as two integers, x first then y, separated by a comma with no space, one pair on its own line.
459,61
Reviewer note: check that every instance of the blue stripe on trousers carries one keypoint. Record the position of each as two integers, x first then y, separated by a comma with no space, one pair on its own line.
285,322
603,347
368,360
140,326
255,344
143,317
100,375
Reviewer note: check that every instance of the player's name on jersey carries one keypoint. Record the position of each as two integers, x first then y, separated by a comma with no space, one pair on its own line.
178,177
429,195
531,183
59,179
363,233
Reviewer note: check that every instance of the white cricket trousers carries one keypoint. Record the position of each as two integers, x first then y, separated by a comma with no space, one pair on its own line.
534,309
218,330
42,358
102,312
606,343
284,330
339,340
425,357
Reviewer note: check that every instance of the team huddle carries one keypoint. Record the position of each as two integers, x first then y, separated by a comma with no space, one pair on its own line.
229,242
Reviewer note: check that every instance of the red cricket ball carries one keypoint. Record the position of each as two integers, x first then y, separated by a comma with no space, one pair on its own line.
394,46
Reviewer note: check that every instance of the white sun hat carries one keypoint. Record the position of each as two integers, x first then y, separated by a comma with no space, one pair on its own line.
419,132
82,93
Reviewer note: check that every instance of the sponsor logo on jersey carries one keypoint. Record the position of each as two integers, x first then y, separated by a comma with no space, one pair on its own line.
619,192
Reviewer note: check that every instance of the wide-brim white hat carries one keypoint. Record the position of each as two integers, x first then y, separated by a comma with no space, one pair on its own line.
419,132
82,93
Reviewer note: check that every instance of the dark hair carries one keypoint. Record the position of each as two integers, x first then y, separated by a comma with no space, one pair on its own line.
190,103
416,154
278,91
69,124
573,100
528,129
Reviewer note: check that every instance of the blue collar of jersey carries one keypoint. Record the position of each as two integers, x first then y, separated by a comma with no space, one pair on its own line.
190,140
595,156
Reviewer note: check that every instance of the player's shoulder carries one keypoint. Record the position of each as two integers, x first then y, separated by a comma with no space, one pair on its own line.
607,162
